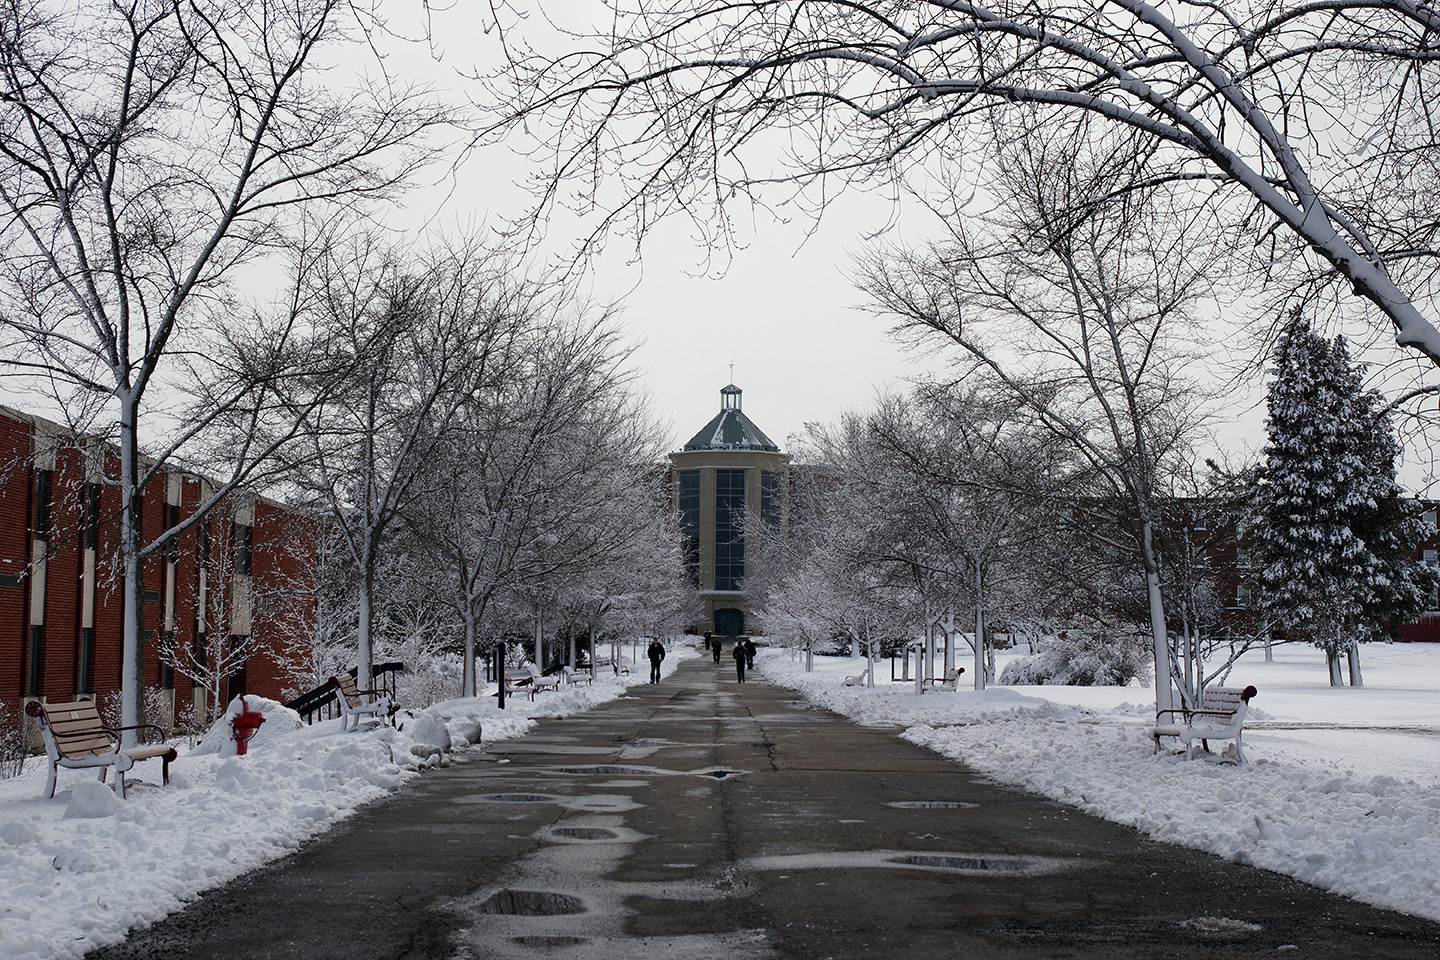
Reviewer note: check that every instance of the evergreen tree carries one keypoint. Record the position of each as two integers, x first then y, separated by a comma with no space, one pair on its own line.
1327,524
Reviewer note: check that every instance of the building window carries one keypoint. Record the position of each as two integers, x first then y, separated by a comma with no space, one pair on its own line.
688,498
172,520
42,505
729,529
1242,596
167,657
1428,518
1430,558
92,516
237,676
242,548
770,497
86,679
35,663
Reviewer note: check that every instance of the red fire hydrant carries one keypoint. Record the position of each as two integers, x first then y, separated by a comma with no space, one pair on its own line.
244,725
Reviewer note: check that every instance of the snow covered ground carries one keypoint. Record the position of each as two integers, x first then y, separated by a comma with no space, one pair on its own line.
1342,789
79,871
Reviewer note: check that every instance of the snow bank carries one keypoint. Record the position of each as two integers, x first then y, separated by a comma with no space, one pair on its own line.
1307,813
81,870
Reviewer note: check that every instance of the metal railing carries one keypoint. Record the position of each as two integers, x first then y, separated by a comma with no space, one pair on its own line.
321,700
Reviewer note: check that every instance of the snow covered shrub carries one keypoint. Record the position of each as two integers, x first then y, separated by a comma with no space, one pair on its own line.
429,681
192,724
1083,658
155,708
12,741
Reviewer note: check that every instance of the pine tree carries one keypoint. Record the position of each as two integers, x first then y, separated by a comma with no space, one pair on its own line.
1327,525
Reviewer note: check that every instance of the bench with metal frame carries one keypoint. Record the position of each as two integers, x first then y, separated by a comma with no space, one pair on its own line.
1220,716
357,705
76,738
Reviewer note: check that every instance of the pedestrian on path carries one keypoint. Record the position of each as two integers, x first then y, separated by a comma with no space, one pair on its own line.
714,646
657,653
749,653
739,654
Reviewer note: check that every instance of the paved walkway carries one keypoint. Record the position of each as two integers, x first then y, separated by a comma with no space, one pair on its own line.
699,818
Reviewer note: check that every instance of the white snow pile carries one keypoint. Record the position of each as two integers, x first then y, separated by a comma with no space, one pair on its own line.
83,869
1333,794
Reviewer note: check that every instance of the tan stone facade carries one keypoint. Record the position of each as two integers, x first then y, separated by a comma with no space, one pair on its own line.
727,479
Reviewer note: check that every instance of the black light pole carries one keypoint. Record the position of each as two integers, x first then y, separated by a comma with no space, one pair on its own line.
500,674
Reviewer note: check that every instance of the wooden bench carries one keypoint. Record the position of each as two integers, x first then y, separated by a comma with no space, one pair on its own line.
353,705
75,737
1220,716
518,683
859,680
575,676
949,682
539,682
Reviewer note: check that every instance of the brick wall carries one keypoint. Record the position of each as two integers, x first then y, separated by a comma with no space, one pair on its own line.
284,567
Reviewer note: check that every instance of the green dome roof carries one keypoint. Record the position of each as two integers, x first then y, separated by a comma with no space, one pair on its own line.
731,429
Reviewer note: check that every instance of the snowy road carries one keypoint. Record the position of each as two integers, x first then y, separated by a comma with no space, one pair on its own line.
702,818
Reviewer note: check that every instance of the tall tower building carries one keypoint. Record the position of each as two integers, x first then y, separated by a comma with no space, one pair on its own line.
729,477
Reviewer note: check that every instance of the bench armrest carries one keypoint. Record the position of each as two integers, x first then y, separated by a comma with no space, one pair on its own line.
140,726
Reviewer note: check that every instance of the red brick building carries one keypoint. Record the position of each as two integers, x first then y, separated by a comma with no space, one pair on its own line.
227,606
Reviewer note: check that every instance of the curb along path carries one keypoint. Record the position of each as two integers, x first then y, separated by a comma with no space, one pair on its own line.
699,818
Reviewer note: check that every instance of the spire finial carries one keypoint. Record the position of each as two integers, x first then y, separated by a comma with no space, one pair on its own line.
732,371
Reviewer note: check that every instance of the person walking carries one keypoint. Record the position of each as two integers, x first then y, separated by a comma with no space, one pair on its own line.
714,645
749,653
656,652
739,654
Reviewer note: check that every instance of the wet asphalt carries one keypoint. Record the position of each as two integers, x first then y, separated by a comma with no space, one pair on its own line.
701,818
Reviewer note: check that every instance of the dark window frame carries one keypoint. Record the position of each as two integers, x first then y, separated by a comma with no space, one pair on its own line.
85,665
92,516
729,529
44,483
35,662
244,548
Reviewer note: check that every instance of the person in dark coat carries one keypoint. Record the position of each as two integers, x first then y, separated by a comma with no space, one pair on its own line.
656,652
714,645
739,654
749,653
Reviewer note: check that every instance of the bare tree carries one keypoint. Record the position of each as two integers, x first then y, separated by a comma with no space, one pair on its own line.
526,457
150,151
417,335
1315,117
1077,302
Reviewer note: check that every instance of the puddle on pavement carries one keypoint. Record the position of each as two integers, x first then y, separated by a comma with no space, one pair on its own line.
931,805
515,798
584,833
719,773
612,770
969,864
531,903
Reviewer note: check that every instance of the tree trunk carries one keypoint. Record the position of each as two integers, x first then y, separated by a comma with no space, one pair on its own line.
1352,653
949,640
539,637
1332,663
132,675
1160,641
979,644
363,650
468,681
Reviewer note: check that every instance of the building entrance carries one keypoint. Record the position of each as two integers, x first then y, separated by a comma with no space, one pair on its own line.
729,622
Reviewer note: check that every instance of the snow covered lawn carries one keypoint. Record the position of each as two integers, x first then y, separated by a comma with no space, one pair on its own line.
1342,790
79,871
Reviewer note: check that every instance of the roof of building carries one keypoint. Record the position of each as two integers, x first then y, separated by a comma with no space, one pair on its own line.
731,429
